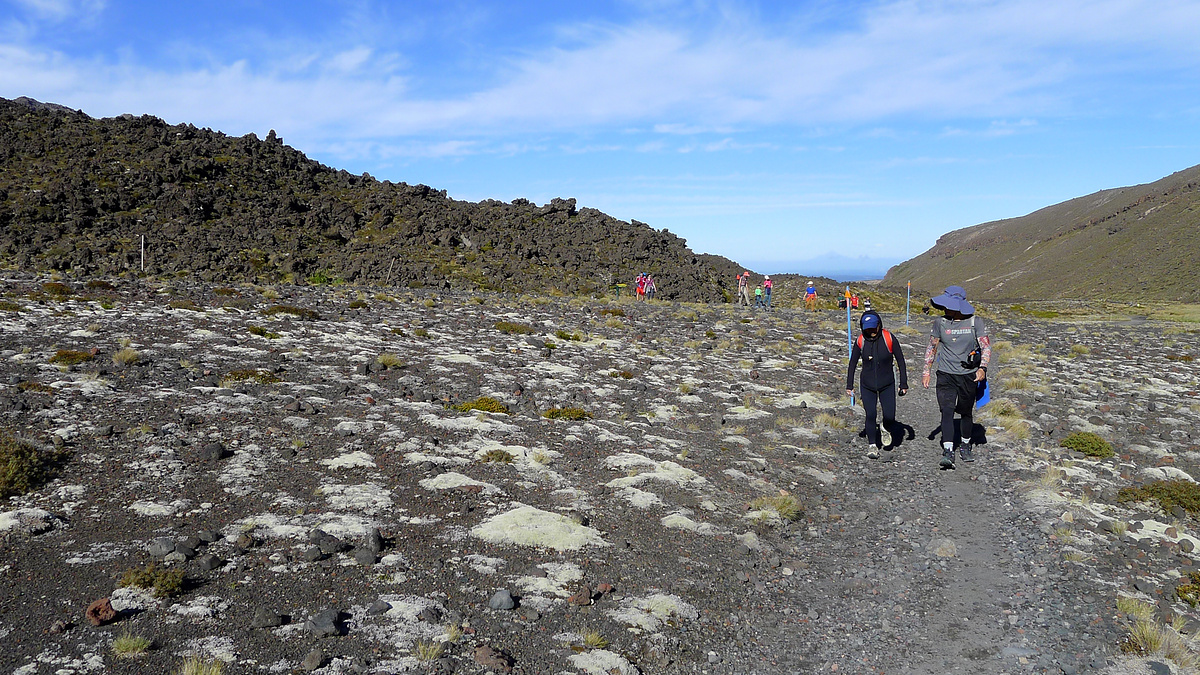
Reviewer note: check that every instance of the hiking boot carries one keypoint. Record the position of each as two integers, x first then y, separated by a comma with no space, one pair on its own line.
873,453
947,459
964,452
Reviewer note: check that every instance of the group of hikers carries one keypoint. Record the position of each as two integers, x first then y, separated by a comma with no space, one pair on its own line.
644,287
959,351
762,292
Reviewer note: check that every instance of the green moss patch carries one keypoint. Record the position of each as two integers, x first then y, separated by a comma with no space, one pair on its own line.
263,332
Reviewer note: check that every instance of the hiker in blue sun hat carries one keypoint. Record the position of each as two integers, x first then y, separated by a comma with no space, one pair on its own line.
879,351
960,345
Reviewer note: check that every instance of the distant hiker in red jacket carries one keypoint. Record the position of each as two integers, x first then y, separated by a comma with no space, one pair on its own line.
879,350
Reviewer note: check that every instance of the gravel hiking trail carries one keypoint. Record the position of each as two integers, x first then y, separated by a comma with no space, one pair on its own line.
923,570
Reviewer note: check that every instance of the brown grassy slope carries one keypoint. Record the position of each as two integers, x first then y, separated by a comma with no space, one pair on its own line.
1131,243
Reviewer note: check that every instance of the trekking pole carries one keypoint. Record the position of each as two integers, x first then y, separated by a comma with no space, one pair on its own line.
849,337
907,303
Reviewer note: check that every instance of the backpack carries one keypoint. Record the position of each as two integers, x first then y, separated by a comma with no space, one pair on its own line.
887,339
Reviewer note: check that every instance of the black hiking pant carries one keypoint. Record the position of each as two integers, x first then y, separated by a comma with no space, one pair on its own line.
956,394
886,399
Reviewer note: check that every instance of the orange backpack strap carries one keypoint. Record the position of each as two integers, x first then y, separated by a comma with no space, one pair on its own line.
887,339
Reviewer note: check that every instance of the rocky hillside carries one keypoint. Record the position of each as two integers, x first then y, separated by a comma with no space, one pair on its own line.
77,194
1131,243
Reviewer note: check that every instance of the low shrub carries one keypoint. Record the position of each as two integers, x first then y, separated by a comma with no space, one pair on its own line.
70,357
185,303
162,582
302,313
484,404
612,311
10,306
564,335
567,414
511,328
358,304
263,332
100,285
1189,590
250,374
57,289
420,332
1168,494
1089,444
29,385
226,291
623,374
24,467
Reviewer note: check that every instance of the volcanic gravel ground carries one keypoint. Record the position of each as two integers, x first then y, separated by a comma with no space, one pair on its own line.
348,518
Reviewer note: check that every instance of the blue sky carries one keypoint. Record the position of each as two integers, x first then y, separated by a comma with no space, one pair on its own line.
768,132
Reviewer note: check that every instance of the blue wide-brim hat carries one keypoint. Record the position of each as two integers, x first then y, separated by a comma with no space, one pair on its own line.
953,298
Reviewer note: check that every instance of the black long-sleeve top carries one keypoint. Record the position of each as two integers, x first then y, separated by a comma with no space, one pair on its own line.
877,373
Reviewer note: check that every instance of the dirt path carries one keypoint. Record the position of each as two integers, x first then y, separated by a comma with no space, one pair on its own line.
919,570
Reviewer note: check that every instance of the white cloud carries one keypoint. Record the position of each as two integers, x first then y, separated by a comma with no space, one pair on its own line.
984,59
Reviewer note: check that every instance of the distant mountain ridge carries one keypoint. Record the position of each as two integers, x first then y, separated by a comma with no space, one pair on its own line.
77,194
1132,243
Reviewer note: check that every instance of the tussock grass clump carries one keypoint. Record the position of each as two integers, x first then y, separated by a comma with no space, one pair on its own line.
623,374
128,646
24,467
594,640
420,332
302,313
612,311
126,356
10,306
785,506
163,582
1168,494
253,375
1089,444
830,421
428,651
567,414
70,357
388,360
571,337
1080,350
263,332
484,404
194,665
513,328
498,456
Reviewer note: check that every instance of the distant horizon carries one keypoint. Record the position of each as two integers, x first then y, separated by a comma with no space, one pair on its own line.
831,265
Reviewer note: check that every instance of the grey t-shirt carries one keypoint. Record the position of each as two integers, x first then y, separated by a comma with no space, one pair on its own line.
957,339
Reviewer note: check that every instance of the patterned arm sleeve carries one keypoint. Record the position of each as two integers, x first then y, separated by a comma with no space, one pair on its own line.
985,346
929,352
